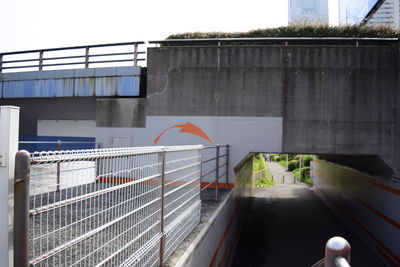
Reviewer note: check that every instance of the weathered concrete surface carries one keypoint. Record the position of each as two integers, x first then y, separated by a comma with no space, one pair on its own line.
333,99
120,112
288,225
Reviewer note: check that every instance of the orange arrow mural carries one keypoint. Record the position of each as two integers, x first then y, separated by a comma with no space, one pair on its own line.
186,128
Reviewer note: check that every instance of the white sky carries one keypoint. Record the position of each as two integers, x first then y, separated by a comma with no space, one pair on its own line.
35,24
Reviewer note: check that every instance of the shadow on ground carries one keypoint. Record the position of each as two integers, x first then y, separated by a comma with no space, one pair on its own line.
288,225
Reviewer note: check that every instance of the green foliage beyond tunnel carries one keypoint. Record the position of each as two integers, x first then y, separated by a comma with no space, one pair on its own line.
300,172
258,165
301,30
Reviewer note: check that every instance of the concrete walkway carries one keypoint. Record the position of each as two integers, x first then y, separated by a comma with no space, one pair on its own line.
279,173
288,225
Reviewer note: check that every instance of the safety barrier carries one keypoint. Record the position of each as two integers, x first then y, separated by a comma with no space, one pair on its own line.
78,56
119,207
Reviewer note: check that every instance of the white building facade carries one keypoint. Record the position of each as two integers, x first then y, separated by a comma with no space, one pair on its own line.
387,14
353,12
308,11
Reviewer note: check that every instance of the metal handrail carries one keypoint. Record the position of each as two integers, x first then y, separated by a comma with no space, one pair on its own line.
217,168
269,39
42,61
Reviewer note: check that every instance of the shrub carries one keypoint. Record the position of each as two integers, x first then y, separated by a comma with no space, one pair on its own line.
292,165
299,30
306,160
258,162
283,163
265,182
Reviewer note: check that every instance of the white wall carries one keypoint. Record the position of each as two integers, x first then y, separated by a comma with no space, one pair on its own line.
73,128
243,134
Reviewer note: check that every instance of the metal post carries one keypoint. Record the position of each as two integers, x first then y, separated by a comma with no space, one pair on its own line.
58,167
337,250
87,57
227,167
135,55
162,239
300,168
283,179
9,130
1,63
41,60
21,208
216,172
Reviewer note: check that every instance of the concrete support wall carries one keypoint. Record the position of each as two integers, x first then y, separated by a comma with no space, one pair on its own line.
333,99
369,205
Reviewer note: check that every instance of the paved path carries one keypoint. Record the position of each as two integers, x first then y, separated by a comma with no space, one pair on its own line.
279,173
288,225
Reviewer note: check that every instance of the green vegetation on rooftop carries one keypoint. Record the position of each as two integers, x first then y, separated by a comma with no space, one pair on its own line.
301,30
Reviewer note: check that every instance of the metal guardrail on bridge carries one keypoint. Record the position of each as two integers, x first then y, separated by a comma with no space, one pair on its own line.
81,55
118,207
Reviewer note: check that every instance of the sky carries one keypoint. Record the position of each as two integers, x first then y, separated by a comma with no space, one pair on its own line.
36,24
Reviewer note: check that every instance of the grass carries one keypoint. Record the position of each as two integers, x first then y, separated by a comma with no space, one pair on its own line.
265,182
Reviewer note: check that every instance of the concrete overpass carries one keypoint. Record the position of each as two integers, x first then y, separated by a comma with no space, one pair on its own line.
334,97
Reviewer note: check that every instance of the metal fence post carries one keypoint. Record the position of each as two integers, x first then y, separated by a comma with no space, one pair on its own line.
21,208
1,63
135,55
337,250
227,167
58,167
162,239
9,128
216,172
41,60
87,57
300,169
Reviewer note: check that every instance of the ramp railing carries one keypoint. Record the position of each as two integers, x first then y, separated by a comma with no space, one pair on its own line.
78,56
337,253
113,207
215,168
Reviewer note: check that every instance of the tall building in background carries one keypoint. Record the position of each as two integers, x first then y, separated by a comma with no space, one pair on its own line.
308,11
387,14
353,12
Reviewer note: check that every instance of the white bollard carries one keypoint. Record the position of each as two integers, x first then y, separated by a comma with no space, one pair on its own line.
9,131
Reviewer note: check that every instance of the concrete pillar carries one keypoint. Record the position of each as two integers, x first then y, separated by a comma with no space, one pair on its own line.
9,130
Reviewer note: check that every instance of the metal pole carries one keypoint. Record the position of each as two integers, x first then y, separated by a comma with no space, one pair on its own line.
87,57
300,168
58,167
227,167
41,60
337,249
162,239
1,63
135,55
21,208
217,172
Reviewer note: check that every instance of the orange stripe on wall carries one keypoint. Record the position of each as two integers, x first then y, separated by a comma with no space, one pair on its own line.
220,185
221,241
156,181
362,227
362,203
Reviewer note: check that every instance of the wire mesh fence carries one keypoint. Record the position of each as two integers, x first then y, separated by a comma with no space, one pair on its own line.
112,207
